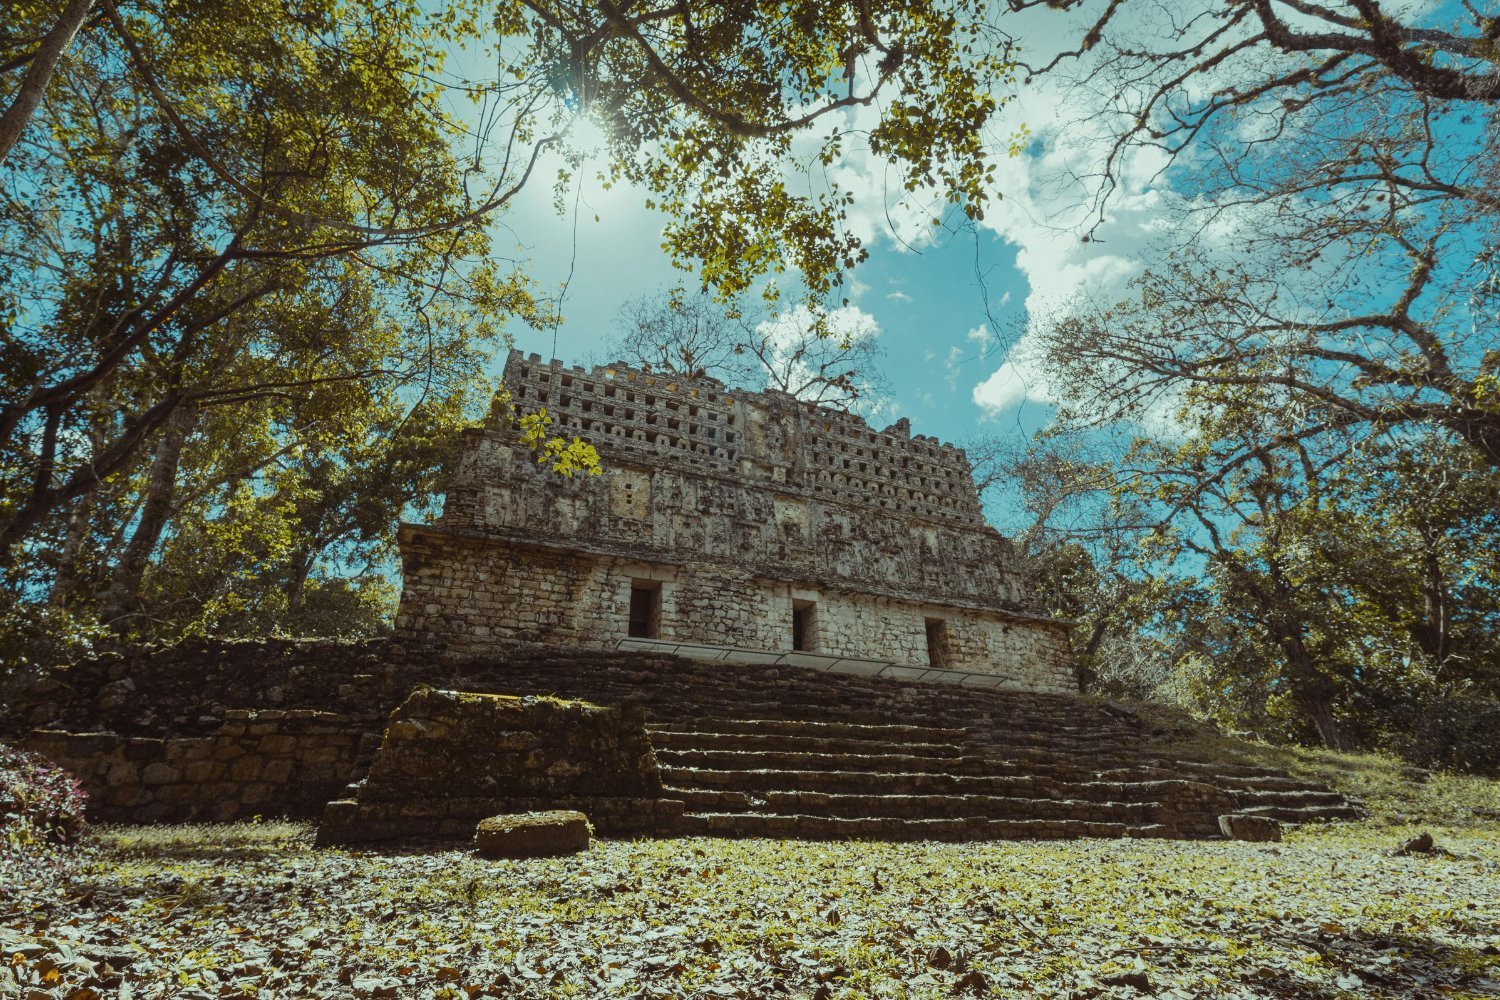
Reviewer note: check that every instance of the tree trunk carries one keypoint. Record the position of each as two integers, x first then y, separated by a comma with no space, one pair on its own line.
66,576
39,74
1432,632
65,579
1314,692
299,568
123,596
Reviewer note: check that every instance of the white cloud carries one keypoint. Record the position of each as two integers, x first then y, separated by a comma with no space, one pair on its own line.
1008,387
898,296
952,364
792,352
1048,207
846,323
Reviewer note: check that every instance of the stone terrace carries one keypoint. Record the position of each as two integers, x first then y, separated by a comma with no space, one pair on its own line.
748,750
787,752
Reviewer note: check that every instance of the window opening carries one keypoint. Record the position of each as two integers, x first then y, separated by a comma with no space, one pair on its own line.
937,643
804,625
645,609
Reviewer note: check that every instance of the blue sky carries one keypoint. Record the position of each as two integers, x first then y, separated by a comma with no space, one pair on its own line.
927,302
951,371
954,366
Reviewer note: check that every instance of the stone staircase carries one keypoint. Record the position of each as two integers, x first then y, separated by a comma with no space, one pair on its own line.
787,752
779,778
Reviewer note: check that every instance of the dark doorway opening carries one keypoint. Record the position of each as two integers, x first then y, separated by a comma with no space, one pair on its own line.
937,643
645,609
804,625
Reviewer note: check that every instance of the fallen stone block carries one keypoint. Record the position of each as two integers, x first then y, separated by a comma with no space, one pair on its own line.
533,835
1259,829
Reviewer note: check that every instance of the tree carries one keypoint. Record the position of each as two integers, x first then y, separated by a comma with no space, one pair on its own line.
1342,592
145,284
278,220
1309,347
1339,166
828,357
682,334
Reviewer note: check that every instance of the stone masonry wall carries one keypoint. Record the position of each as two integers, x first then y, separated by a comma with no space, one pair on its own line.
450,759
733,506
669,514
701,425
472,593
272,763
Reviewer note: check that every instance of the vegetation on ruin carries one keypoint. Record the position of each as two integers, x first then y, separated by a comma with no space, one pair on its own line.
250,282
1268,491
249,276
1331,912
803,354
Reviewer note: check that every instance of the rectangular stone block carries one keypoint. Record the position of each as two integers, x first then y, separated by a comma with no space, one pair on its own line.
276,743
278,770
246,768
160,773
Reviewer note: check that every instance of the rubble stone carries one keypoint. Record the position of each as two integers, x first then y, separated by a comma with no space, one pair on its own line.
533,835
1259,829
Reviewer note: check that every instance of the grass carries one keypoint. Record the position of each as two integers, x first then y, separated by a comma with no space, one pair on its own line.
1395,793
254,909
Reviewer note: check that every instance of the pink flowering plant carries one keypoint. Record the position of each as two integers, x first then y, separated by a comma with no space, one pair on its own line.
40,803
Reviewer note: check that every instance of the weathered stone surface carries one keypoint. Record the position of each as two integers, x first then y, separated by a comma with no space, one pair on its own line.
533,835
451,758
294,764
1252,828
743,749
736,510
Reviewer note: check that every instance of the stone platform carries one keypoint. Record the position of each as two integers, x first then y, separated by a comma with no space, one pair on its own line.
739,749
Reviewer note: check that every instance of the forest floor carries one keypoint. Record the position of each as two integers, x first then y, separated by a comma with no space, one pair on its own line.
253,909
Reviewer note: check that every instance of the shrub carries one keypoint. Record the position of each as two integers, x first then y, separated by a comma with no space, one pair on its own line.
40,803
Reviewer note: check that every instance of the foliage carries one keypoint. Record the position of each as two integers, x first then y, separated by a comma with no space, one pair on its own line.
1347,595
39,802
1292,445
822,356
250,288
1328,913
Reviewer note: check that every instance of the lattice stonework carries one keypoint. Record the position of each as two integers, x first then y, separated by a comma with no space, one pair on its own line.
755,520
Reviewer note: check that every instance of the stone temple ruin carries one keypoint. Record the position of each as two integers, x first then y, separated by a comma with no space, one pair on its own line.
724,518
534,664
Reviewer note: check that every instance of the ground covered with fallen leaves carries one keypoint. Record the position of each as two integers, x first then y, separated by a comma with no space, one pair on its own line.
256,910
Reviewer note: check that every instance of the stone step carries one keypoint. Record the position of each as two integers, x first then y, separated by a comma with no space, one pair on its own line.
957,806
856,806
1279,783
1105,754
1299,799
756,783
668,739
838,780
788,760
893,757
827,730
1226,770
1307,814
802,827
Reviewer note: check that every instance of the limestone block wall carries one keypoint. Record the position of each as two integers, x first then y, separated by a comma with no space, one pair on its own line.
473,593
732,506
702,425
450,758
669,514
1031,654
270,763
